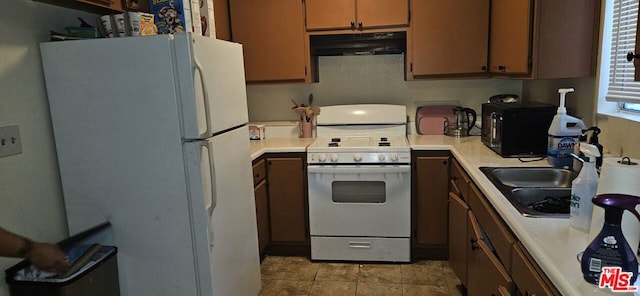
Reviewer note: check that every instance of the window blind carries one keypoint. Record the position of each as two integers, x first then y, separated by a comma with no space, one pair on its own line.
622,87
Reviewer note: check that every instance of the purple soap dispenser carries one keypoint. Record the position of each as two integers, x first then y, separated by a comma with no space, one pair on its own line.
610,248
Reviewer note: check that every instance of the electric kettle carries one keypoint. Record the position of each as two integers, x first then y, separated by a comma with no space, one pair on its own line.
465,120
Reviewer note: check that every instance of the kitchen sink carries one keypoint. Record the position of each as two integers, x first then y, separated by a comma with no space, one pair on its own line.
531,176
534,191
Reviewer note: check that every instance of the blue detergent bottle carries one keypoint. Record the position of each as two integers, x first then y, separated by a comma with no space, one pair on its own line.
564,133
610,248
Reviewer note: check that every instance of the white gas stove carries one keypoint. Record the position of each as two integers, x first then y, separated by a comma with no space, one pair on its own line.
359,179
359,149
367,133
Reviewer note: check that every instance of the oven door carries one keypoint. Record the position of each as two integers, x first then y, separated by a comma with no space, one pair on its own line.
360,200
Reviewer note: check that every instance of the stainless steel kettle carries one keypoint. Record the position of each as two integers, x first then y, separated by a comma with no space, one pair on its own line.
465,120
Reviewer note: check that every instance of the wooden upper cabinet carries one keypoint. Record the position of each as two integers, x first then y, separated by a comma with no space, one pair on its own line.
137,5
510,42
382,13
543,39
449,37
94,6
330,14
356,14
221,19
636,62
273,39
115,5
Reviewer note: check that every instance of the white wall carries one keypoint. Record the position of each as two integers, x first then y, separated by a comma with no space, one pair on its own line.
30,193
370,79
579,103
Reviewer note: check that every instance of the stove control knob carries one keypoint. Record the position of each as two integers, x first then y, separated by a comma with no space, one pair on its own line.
322,157
381,156
394,156
357,157
334,157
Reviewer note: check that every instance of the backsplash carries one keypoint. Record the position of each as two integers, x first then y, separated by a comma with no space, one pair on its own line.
371,79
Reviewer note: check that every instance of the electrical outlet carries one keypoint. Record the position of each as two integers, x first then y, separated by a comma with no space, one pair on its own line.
10,142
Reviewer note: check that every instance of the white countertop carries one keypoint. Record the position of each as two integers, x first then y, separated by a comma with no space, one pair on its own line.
550,241
279,144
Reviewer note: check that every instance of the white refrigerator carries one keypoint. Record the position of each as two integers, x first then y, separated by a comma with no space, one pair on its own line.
151,136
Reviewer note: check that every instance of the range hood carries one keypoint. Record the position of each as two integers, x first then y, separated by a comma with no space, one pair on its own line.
358,44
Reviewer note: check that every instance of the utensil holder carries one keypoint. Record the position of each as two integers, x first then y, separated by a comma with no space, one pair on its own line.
305,129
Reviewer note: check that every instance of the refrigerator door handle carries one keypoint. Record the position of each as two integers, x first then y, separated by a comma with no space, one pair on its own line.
197,69
213,198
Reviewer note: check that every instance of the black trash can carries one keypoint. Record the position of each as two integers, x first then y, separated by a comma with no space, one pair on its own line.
94,266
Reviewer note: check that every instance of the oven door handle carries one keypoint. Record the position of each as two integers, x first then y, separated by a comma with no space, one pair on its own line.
358,169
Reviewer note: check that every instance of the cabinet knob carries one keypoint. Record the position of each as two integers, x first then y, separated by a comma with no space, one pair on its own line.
484,68
360,26
502,68
353,25
474,245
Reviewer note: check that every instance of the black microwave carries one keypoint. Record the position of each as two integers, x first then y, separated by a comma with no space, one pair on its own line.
518,129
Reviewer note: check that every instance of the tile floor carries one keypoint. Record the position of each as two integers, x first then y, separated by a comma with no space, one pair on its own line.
299,276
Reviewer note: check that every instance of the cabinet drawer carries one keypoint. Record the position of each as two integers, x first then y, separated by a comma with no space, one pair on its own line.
528,276
459,180
498,233
259,172
360,248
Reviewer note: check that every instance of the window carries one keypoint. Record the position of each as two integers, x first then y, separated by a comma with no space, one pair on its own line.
631,107
621,86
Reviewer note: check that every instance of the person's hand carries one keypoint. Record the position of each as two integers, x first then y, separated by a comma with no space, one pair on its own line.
47,257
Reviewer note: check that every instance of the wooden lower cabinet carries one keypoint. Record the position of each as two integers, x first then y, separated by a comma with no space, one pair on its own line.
458,211
483,252
485,271
527,276
262,214
495,229
431,189
262,203
287,199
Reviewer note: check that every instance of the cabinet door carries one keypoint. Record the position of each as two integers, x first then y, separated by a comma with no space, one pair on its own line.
221,19
272,35
262,215
445,45
510,43
109,4
496,231
458,236
485,272
287,205
460,181
330,14
137,5
432,189
527,276
382,13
